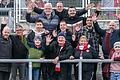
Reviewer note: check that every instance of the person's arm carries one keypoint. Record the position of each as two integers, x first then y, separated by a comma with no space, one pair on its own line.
119,26
100,31
98,9
2,27
3,23
107,42
31,19
94,53
81,12
69,52
37,10
97,13
30,39
85,10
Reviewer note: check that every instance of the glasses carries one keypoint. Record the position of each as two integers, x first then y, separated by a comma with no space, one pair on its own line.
117,47
19,30
111,25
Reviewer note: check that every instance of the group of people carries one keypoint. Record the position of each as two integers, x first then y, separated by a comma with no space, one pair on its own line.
59,34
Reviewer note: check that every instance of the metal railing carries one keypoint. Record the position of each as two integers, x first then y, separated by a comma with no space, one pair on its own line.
80,61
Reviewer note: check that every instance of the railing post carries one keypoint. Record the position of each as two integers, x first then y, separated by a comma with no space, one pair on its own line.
30,70
80,70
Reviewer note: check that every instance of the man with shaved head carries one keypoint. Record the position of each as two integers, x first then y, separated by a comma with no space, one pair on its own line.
111,29
5,53
48,17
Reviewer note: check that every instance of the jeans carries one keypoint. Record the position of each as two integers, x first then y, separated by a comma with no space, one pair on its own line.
115,76
36,73
21,67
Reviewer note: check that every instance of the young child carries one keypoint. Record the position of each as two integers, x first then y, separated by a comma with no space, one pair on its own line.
85,51
114,54
36,52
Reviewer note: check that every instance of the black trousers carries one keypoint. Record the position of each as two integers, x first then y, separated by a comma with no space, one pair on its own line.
4,75
21,68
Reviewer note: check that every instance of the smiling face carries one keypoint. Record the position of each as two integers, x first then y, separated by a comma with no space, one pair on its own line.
83,40
63,26
89,22
19,31
112,25
61,39
37,42
72,12
117,47
38,26
59,7
6,32
48,8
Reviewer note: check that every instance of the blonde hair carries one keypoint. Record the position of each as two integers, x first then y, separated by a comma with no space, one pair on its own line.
83,37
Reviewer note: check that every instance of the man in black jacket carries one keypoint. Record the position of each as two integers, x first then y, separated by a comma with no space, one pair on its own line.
5,53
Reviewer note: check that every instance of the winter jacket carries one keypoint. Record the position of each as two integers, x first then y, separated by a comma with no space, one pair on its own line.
87,54
5,53
19,47
49,24
54,50
35,53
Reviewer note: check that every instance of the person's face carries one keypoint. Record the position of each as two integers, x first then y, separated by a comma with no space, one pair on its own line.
37,42
47,9
83,41
59,7
19,31
89,22
117,48
61,40
112,25
72,12
77,27
38,26
5,33
63,26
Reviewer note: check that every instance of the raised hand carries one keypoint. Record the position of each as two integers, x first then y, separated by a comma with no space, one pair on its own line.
118,16
73,37
98,7
48,39
30,6
4,20
54,33
94,17
89,6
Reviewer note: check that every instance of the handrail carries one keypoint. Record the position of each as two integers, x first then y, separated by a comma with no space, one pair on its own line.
63,61
30,61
